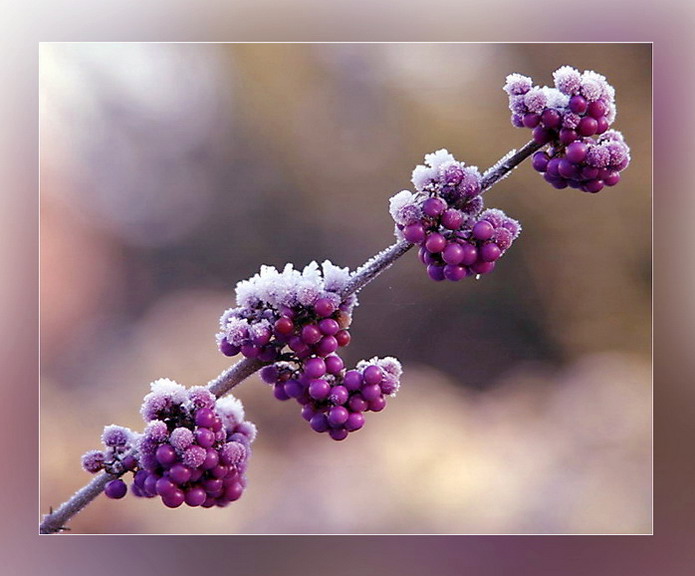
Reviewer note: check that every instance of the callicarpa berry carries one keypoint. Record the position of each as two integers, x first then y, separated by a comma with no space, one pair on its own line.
575,120
457,237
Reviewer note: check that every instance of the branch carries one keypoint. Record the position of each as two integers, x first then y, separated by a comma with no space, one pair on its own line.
55,521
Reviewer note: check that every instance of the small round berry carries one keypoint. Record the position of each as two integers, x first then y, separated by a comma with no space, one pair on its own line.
319,423
165,486
470,254
337,416
454,273
593,186
195,496
539,160
434,206
357,403
324,307
414,232
279,392
551,119
269,374
372,375
596,109
354,422
435,272
435,242
483,267
338,433
311,334
490,252
542,135
566,169
453,253
339,395
204,418
212,459
165,455
116,489
283,325
377,404
352,380
587,126
179,474
578,104
568,136
250,350
483,230
371,392
531,120
334,364
612,179
576,152
319,389
314,367
343,338
204,437
233,491
452,219
293,388
327,345
228,349
328,326
175,499
602,125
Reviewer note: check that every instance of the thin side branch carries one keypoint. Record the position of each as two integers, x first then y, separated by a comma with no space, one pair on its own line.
55,521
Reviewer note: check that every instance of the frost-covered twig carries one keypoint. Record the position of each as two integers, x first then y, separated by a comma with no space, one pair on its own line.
56,520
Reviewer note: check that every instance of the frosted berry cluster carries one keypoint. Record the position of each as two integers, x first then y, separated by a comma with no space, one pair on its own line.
568,117
334,400
446,219
117,458
300,310
194,449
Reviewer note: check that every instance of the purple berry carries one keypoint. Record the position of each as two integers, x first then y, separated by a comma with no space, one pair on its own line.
116,489
543,135
587,126
372,375
319,389
228,349
531,120
311,334
329,327
454,273
596,109
175,499
539,161
204,437
470,254
483,267
195,496
283,325
435,243
414,232
165,455
357,403
612,179
205,418
327,345
324,307
567,136
434,206
490,252
314,367
453,253
319,423
352,380
551,119
435,272
334,364
576,152
377,404
578,104
212,459
337,416
343,338
483,230
354,422
452,219
179,474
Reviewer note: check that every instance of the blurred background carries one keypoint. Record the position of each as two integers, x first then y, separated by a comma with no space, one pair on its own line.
171,171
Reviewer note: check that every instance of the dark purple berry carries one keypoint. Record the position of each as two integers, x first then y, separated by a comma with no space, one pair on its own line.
454,273
228,349
343,338
568,136
578,104
165,455
319,423
352,380
452,219
453,253
338,433
205,418
531,120
539,161
319,389
204,437
551,118
434,206
354,422
337,416
314,367
324,307
576,152
327,345
483,230
587,126
311,334
116,489
334,364
435,242
195,496
490,252
415,232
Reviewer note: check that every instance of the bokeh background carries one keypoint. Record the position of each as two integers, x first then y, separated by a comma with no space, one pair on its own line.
171,171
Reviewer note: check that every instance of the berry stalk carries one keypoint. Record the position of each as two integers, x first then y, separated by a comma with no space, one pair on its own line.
55,521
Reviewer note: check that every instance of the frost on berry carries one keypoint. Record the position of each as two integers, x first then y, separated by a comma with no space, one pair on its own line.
93,461
574,118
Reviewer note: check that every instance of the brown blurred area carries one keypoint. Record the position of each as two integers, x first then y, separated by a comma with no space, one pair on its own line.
171,171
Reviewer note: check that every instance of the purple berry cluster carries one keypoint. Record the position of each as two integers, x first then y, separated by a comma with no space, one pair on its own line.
117,458
194,449
299,310
333,400
580,107
295,322
445,217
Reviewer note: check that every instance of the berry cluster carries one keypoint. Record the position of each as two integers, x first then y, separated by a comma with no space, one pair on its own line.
445,217
300,310
295,322
194,449
333,400
116,459
568,116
